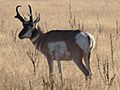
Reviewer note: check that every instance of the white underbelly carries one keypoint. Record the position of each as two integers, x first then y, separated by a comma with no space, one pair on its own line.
58,50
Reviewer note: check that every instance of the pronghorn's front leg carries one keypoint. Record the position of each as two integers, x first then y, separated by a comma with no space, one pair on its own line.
60,69
50,64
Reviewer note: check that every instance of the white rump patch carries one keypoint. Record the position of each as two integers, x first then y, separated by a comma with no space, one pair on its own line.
82,41
58,50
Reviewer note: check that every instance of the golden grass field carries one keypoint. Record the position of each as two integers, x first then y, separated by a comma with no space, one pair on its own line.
99,17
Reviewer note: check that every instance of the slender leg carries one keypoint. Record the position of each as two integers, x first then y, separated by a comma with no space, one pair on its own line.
82,67
87,61
60,69
50,64
77,55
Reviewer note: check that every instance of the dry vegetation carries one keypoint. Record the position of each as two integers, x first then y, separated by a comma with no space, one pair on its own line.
99,17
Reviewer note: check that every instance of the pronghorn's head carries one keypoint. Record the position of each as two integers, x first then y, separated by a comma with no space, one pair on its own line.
29,25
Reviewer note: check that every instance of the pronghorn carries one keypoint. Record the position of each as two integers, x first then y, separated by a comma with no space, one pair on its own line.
59,45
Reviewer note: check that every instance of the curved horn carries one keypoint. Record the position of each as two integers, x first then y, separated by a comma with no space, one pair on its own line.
18,14
30,15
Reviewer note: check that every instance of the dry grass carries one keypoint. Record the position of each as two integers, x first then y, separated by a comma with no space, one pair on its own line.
99,17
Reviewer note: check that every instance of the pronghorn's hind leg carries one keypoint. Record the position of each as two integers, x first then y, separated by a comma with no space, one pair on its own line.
77,55
87,62
81,66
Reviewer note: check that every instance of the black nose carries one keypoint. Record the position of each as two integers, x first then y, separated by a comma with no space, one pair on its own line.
20,35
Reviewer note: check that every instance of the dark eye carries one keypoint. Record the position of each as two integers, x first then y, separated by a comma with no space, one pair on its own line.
31,25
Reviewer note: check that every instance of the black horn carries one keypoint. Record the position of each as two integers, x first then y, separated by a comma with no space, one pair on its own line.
18,14
30,15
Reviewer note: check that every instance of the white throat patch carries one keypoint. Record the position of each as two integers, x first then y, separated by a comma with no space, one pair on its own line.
35,38
58,50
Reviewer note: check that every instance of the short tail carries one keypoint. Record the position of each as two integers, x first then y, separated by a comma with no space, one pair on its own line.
92,41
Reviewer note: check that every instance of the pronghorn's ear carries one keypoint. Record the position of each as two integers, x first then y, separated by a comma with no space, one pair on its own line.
37,19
